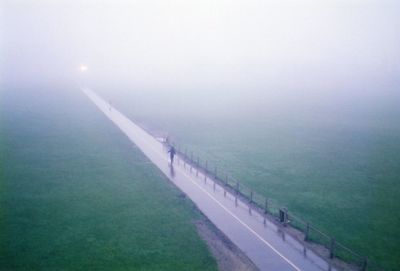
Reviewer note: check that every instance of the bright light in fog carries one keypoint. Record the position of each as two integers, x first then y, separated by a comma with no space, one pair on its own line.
83,68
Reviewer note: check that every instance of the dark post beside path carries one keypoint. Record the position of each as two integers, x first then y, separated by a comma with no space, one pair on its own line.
332,248
251,200
265,211
364,265
283,217
307,232
236,194
226,185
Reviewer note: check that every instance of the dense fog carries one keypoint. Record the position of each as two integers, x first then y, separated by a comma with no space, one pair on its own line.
336,56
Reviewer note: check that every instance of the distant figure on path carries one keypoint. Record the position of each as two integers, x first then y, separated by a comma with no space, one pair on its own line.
172,154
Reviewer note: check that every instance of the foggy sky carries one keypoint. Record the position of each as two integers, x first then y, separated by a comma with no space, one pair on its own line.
301,48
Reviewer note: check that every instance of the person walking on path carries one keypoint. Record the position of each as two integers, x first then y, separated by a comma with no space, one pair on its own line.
172,154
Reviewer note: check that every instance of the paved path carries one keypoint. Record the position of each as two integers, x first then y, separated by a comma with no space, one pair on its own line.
265,245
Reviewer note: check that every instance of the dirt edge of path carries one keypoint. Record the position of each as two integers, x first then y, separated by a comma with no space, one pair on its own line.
228,256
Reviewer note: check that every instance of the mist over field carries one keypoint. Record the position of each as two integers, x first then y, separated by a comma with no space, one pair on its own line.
304,94
307,49
282,56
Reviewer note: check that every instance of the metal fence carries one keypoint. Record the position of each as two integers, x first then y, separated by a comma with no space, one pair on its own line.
311,237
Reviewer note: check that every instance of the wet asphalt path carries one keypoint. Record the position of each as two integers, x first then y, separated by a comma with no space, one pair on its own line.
265,245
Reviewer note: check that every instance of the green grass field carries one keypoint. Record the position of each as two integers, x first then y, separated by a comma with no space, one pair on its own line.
339,171
75,194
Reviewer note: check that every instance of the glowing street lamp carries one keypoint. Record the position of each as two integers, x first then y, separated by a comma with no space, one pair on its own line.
83,68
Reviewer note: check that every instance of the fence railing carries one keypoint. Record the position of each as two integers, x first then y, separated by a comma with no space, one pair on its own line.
311,237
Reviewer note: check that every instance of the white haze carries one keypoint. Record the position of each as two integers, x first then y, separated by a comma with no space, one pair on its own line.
322,53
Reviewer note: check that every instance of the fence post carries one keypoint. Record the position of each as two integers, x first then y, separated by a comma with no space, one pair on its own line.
364,265
237,192
332,248
283,217
214,186
215,172
266,206
265,211
251,201
307,232
226,184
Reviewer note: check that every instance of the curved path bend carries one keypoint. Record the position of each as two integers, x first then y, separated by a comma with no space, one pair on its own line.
265,245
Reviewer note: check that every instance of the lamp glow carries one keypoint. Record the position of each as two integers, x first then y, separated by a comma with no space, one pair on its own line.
83,68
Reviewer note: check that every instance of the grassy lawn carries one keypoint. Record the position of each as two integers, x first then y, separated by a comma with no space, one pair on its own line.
75,194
